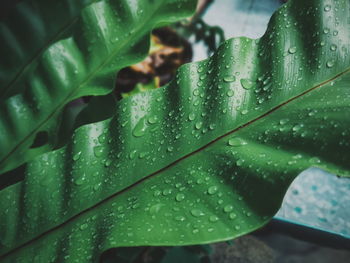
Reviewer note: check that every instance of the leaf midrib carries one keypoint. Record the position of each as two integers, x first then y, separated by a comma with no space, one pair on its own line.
75,90
73,218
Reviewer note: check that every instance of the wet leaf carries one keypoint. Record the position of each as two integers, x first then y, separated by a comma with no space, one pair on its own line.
107,36
191,163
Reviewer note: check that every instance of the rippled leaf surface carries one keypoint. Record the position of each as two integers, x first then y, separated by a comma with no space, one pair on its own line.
205,159
107,36
29,29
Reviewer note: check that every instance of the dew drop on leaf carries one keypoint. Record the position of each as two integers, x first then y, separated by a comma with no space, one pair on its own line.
170,148
333,47
236,141
232,216
180,218
197,213
83,226
179,197
191,116
140,128
228,208
167,192
247,84
213,218
212,189
229,78
152,119
229,93
195,231
155,208
132,154
327,8
79,181
76,156
198,125
98,151
330,63
292,50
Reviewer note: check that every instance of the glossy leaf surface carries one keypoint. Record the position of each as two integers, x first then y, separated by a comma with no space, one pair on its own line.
107,36
207,158
29,29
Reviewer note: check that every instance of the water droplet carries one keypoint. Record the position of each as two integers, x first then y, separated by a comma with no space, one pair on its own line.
157,193
211,126
232,216
333,47
152,119
98,151
191,116
330,63
196,92
247,84
76,156
140,128
195,231
298,209
297,127
79,181
213,218
239,162
142,155
314,160
102,138
236,141
180,218
228,208
83,226
230,93
283,121
197,213
167,191
170,148
327,8
155,208
212,189
180,197
198,125
229,78
292,50
132,154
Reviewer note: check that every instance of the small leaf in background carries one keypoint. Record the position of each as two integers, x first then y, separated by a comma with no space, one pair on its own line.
142,88
168,51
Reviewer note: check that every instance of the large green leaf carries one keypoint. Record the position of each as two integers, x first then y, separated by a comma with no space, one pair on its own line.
207,158
107,36
31,28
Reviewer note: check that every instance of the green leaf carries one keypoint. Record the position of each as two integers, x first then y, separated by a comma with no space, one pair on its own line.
108,36
205,159
31,28
141,87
